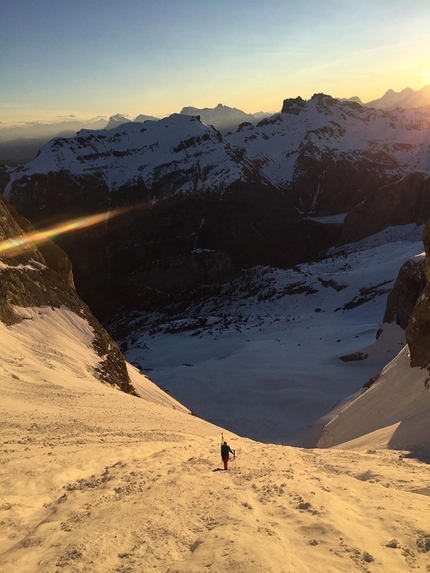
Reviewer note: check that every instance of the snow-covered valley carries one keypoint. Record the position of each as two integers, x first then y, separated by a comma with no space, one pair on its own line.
263,356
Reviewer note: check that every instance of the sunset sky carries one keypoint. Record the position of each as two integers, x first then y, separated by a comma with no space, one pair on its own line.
100,57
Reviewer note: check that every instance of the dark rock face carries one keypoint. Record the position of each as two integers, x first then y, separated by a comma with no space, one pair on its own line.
409,285
27,281
4,175
252,221
400,203
418,330
293,105
343,180
184,272
54,257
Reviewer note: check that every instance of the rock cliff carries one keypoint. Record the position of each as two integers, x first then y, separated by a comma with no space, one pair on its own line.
418,330
408,287
36,277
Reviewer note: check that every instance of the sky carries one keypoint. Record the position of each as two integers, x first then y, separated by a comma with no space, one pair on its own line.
60,59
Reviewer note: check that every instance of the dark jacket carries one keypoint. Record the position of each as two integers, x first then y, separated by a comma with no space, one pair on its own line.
225,451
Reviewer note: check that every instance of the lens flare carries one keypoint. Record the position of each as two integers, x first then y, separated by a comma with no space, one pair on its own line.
14,246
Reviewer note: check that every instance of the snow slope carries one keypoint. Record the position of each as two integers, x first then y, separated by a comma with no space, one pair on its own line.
53,348
145,152
96,480
393,413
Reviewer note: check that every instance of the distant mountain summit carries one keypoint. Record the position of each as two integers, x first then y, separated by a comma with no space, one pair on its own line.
355,99
116,120
119,119
142,117
224,118
407,98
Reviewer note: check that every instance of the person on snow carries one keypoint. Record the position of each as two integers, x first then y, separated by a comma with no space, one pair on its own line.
225,454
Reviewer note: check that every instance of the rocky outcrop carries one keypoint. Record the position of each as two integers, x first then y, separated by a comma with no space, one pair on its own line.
406,201
53,257
26,280
418,330
293,105
408,287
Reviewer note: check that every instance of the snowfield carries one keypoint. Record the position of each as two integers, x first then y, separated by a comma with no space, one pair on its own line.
96,480
263,357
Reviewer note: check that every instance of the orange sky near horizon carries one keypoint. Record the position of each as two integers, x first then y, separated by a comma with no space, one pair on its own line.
93,59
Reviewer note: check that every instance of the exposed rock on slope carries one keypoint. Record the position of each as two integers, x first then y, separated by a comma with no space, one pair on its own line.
418,330
405,201
409,285
27,281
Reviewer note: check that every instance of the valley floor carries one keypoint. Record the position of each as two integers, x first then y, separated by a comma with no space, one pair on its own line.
96,481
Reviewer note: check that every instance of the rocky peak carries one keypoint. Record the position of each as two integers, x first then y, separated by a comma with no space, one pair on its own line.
117,120
293,105
324,99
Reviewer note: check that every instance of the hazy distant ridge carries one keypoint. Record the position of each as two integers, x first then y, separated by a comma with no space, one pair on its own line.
407,98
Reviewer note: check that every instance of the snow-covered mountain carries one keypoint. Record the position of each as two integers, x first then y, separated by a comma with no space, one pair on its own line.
282,149
155,154
253,195
329,154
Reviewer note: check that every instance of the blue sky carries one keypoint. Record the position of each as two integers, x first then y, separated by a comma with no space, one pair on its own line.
94,57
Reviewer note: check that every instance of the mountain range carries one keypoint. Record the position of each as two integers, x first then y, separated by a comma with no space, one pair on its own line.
407,98
273,281
254,195
20,143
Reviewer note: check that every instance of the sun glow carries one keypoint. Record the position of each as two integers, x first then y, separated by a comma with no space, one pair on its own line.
16,245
